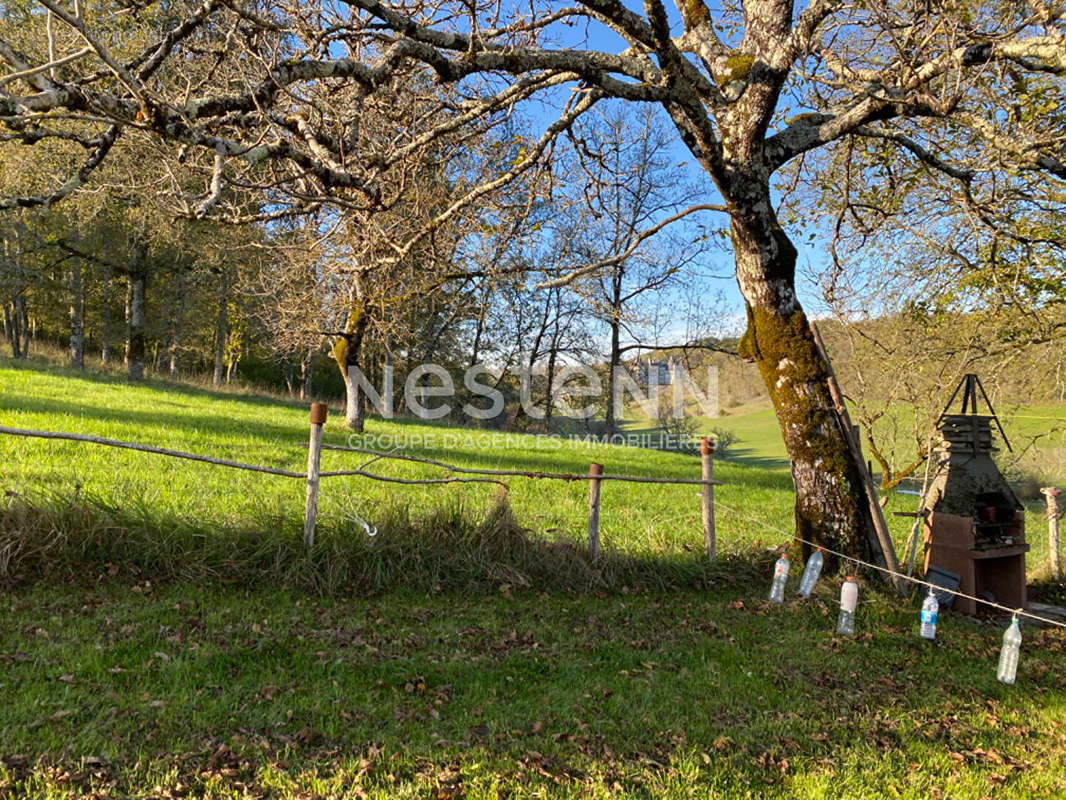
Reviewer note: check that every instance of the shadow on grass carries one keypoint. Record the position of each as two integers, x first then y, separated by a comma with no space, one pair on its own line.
49,538
220,425
172,387
746,457
547,454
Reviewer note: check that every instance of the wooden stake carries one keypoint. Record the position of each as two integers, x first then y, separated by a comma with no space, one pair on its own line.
707,498
595,471
1051,493
882,539
314,456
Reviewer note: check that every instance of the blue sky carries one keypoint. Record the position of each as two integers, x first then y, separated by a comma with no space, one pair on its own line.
718,265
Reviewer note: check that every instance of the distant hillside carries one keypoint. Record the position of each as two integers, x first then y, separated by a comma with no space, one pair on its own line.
904,359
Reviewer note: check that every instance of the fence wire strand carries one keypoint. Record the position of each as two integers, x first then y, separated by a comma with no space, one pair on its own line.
859,562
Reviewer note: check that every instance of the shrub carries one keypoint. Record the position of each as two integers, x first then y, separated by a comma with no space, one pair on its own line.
723,441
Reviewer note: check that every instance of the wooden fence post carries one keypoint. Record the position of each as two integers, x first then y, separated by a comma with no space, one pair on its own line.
1051,493
710,543
595,470
314,455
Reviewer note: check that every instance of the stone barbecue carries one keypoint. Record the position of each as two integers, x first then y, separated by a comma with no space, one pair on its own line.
974,525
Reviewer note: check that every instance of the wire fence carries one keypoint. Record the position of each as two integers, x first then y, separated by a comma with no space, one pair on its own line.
456,474
284,473
493,476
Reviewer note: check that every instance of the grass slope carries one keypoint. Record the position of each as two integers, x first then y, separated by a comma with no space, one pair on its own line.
636,519
117,685
641,521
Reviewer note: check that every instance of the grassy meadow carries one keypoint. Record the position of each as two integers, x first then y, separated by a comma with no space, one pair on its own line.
162,633
638,519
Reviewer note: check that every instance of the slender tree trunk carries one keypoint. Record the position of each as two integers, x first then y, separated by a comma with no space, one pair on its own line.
387,388
306,376
23,325
136,278
549,395
360,410
15,309
12,329
290,379
77,315
553,356
480,329
831,508
615,322
221,328
7,323
177,327
105,327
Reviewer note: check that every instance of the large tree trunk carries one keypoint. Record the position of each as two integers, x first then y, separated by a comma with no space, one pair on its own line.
221,328
77,315
831,507
136,278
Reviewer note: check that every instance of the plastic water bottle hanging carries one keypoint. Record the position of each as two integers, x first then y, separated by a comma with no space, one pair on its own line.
930,607
849,598
777,588
1008,656
811,573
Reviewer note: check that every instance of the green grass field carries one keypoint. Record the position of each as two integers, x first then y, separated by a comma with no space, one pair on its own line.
635,518
493,672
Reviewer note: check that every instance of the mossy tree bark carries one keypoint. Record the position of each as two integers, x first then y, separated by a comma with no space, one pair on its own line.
831,507
348,351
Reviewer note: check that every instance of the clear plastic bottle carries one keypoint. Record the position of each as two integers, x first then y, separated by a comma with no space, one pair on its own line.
1008,656
929,611
811,573
777,588
849,597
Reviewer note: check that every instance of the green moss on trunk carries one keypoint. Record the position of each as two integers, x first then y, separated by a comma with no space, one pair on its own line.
830,506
